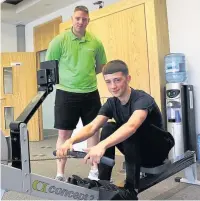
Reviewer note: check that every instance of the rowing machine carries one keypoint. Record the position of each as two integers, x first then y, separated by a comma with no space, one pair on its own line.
44,187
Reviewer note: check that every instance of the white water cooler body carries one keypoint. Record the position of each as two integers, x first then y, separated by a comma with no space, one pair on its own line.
174,118
181,118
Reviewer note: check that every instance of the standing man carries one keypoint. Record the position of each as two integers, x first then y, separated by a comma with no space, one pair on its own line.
81,55
137,131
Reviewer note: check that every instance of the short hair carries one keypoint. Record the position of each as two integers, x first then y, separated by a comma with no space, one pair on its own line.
81,8
115,66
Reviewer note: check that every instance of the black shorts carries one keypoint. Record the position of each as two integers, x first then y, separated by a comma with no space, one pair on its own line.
69,107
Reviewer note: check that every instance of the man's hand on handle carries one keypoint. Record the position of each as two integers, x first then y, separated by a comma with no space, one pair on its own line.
62,151
94,154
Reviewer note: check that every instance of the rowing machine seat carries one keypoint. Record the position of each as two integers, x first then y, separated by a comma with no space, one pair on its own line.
158,169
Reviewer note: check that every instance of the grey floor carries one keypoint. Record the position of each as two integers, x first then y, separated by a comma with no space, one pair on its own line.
166,190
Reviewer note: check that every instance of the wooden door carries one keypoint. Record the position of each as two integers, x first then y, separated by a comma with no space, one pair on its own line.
123,34
19,86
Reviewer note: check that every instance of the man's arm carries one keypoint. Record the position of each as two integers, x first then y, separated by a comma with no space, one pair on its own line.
84,133
126,130
99,68
95,153
101,59
54,49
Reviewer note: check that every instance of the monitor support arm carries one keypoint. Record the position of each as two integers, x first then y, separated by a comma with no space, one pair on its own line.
47,76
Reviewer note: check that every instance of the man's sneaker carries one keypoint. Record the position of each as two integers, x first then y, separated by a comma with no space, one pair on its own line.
60,178
93,174
111,180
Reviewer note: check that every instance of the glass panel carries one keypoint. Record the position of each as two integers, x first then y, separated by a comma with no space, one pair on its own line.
8,116
8,80
42,55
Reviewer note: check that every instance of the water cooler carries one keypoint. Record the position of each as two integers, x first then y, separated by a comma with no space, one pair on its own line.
180,118
174,118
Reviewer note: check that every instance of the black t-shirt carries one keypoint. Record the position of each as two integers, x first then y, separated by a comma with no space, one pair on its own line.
139,100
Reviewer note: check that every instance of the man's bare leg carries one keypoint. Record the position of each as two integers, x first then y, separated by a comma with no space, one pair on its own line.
94,140
63,135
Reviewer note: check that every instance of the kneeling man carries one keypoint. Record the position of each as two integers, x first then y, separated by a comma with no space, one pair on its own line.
137,130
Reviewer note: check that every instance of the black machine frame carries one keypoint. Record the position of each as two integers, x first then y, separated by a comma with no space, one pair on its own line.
47,76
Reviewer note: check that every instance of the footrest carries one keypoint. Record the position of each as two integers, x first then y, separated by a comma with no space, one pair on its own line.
158,169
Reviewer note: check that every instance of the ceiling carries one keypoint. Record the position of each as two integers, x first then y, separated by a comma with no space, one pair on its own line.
25,11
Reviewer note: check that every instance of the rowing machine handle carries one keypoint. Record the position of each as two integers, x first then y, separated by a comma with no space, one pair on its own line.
79,154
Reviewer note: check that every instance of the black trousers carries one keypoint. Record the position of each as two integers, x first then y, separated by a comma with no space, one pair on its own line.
141,149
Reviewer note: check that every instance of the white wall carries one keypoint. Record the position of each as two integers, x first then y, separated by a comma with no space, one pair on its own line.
184,33
8,38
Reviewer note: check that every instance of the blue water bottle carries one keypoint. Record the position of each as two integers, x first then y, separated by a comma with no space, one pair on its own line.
198,147
175,70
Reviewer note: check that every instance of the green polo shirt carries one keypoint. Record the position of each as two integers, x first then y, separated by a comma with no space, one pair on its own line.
78,59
